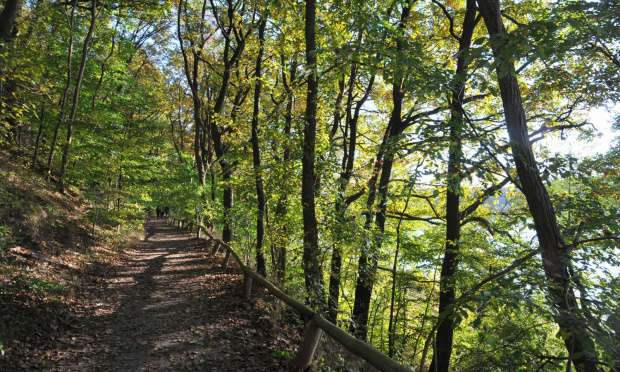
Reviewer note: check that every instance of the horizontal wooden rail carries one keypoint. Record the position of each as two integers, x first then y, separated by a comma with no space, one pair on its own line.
317,322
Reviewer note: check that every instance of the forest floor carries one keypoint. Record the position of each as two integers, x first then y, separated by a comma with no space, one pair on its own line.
165,305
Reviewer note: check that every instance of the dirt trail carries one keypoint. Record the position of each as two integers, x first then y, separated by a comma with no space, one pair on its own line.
169,307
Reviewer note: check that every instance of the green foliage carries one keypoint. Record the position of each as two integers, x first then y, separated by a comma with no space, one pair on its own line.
135,137
22,284
6,239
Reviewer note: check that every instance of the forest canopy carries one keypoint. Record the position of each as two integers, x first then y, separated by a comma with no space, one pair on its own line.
388,162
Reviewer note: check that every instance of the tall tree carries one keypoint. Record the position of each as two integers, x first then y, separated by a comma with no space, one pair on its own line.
445,332
353,109
65,94
312,270
261,206
94,14
191,67
554,254
369,257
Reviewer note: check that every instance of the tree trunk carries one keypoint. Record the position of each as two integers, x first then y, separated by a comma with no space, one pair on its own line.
228,202
37,143
369,257
393,319
191,74
348,161
281,206
11,10
65,94
76,95
261,266
445,332
312,271
554,255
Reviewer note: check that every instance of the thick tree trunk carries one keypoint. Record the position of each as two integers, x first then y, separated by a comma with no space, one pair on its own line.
445,332
554,255
11,10
261,266
312,271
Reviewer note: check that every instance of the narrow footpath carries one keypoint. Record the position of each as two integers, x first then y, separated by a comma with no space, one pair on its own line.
171,307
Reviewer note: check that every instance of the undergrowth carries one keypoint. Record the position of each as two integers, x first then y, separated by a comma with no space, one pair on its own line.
47,245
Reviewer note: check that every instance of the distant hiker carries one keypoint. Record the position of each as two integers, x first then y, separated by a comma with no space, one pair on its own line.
158,211
166,211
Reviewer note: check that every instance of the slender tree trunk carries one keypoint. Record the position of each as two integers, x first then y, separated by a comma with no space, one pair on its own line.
174,141
38,140
369,257
312,271
554,255
445,332
281,208
215,130
191,74
228,202
65,94
76,95
392,320
336,261
261,266
355,327
348,161
104,64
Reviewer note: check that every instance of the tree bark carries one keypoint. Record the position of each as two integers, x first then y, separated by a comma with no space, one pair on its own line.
11,10
346,172
37,143
76,95
312,271
191,74
369,257
554,253
281,208
449,266
261,266
65,94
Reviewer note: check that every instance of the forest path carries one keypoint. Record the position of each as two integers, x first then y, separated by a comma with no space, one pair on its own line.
169,306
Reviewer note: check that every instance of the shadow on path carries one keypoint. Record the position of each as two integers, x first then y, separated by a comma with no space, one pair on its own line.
170,307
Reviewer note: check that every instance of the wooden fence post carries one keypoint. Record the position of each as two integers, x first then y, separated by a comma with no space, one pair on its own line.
247,286
226,259
312,334
216,248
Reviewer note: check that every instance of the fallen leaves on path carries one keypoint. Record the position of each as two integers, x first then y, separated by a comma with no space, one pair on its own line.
167,306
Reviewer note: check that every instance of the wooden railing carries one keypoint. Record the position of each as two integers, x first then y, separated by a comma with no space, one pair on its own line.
317,323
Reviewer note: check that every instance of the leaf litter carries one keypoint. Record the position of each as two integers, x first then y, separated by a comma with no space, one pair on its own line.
168,305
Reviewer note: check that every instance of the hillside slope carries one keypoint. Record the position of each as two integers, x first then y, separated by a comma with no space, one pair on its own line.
47,249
